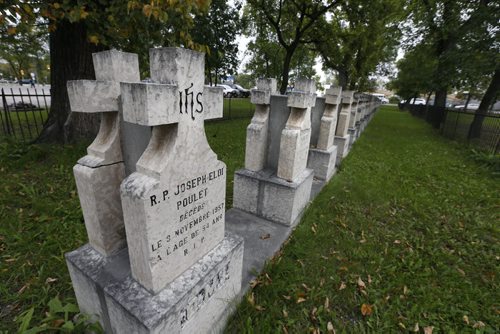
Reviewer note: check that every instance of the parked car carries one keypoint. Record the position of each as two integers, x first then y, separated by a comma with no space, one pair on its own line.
470,106
228,91
242,92
22,105
417,101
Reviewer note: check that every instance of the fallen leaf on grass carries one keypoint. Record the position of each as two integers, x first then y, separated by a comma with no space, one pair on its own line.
330,328
268,278
265,236
50,280
321,282
428,329
466,319
324,257
306,287
57,323
24,287
300,300
313,229
366,310
260,308
251,299
405,290
301,263
342,286
416,328
285,330
254,283
478,324
369,279
402,325
285,313
287,297
361,284
327,304
461,272
397,242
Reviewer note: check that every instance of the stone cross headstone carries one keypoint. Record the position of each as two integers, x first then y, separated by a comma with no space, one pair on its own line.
257,131
174,204
295,138
322,156
98,175
341,135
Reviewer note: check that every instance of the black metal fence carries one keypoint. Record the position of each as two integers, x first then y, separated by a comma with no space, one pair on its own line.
456,124
23,113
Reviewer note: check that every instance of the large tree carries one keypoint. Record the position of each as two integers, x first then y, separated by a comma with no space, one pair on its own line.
291,21
80,27
217,29
358,39
444,24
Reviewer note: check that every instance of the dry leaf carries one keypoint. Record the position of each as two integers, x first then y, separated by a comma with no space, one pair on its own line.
327,303
306,287
24,287
301,263
287,297
324,257
251,299
361,284
268,278
57,322
330,328
397,242
428,329
405,290
461,271
364,292
313,229
402,325
466,319
260,308
300,300
366,309
285,313
478,324
416,328
254,283
321,282
285,330
50,280
265,236
369,279
343,268
342,286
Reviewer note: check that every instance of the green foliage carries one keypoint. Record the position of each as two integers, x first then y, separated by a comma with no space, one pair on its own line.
407,228
218,29
59,317
359,38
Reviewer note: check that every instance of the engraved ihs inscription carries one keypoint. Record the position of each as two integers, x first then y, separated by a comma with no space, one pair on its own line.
186,102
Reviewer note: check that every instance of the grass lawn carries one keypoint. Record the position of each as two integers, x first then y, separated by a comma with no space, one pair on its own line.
408,214
404,237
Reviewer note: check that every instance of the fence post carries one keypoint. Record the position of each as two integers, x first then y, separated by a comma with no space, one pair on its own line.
8,125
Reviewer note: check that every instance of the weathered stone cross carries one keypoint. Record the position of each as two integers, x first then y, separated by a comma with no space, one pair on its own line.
174,204
98,175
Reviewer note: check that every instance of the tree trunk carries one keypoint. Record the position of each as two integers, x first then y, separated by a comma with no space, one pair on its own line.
343,79
487,100
467,102
286,70
428,98
70,59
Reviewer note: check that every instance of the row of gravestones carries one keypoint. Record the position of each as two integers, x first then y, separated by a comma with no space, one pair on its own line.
163,255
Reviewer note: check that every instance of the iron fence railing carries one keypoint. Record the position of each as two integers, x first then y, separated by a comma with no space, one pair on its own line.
483,133
23,113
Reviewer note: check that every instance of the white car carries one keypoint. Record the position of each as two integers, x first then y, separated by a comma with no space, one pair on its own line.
417,101
228,91
470,106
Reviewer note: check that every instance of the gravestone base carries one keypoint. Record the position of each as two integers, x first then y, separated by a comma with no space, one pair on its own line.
270,197
342,144
352,136
322,162
197,301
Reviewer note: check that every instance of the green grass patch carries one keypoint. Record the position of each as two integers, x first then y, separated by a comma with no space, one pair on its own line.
238,108
22,125
405,236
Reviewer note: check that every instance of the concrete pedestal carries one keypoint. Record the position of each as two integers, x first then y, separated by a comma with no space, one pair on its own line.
342,144
268,196
322,162
197,301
